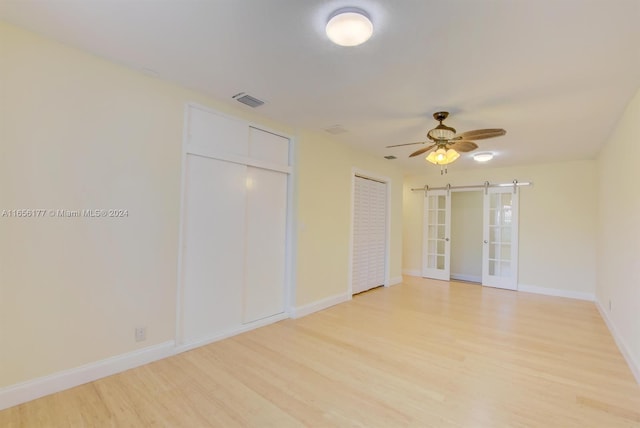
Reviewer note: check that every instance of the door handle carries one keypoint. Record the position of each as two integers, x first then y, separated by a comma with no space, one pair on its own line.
446,239
485,241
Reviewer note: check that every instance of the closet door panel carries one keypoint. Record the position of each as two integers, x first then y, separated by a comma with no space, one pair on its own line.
369,234
265,258
222,134
377,233
213,247
269,147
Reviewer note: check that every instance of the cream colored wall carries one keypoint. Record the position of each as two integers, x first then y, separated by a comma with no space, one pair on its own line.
557,220
618,279
324,176
80,132
466,234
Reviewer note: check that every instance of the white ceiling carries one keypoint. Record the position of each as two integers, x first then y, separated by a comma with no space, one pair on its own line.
556,74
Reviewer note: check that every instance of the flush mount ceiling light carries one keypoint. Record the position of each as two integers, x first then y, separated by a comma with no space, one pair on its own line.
483,157
349,26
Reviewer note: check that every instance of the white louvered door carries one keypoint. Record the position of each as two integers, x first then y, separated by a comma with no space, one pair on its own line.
369,234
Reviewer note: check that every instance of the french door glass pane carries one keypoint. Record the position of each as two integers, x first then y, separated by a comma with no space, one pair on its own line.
436,230
500,214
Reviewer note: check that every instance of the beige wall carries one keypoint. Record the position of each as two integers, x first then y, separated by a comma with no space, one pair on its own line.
557,220
466,235
618,279
80,132
324,176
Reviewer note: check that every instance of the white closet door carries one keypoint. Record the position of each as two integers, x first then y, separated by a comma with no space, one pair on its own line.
266,244
213,248
266,233
222,134
377,232
234,226
360,262
369,234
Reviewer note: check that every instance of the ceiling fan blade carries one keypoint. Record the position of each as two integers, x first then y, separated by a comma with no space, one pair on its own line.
421,151
481,134
463,146
406,144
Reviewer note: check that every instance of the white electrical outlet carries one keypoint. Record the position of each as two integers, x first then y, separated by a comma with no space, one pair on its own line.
141,334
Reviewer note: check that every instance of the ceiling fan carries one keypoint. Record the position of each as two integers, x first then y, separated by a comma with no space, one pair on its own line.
447,144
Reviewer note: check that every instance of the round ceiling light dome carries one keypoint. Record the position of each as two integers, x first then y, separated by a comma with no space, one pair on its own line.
349,26
483,157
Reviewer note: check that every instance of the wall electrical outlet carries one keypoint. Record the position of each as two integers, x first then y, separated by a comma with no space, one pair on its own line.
141,334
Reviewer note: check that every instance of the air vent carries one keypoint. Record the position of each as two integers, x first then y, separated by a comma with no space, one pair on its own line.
248,100
390,157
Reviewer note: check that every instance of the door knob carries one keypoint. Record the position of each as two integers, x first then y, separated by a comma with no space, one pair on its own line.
486,242
446,239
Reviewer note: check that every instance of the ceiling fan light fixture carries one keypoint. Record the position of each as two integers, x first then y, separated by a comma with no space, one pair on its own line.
349,26
483,157
442,132
442,156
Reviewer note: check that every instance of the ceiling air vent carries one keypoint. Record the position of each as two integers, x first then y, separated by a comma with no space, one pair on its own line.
390,157
248,100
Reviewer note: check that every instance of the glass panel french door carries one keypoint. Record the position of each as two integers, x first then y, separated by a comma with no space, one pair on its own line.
500,249
436,244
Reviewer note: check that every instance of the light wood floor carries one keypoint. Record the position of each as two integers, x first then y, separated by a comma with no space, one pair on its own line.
421,354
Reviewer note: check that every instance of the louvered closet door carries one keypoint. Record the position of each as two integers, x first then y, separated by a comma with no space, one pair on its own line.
369,234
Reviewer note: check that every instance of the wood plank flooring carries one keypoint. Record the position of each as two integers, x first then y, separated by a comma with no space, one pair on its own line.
421,354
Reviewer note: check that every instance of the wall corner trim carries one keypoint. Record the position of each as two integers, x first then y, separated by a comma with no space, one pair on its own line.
39,387
318,305
395,281
622,346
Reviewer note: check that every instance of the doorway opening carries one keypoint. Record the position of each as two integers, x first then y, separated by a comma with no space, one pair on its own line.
499,238
466,236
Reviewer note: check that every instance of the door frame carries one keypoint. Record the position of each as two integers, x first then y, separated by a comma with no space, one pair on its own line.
387,182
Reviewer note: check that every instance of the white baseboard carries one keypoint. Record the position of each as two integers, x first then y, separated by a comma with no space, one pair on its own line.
319,305
230,332
465,277
580,295
30,390
633,364
412,272
395,281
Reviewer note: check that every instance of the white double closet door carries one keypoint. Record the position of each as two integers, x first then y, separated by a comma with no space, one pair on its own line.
369,234
234,227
